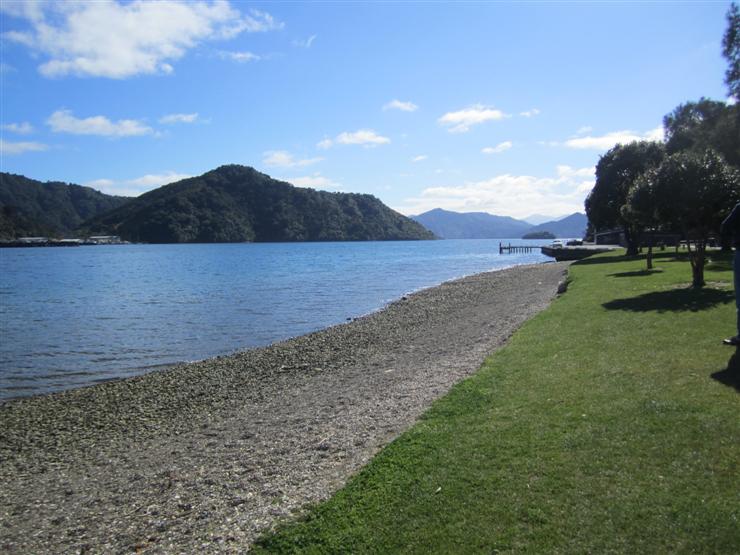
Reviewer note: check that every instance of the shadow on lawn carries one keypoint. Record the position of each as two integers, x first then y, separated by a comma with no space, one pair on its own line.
636,273
674,300
730,376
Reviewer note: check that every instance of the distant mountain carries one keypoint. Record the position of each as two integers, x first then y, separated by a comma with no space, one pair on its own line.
237,203
481,225
537,219
471,225
33,208
573,226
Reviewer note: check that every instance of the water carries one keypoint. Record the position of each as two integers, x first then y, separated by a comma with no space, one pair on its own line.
75,316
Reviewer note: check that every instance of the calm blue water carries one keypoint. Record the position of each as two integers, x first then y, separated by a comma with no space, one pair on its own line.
75,316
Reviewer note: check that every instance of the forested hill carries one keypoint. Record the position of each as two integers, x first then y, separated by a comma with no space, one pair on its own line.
237,203
33,208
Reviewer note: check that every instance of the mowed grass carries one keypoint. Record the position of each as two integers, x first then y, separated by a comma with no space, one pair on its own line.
609,423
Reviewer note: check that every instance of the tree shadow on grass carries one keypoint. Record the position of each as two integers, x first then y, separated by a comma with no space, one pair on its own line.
730,376
636,273
674,300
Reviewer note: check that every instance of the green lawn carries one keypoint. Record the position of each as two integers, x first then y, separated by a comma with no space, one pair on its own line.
609,423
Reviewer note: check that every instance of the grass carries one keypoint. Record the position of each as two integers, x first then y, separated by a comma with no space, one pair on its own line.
609,423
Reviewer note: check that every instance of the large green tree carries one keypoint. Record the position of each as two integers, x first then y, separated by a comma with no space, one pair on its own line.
698,126
693,193
616,172
731,50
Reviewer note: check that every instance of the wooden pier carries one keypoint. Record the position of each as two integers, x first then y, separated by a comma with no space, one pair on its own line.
508,249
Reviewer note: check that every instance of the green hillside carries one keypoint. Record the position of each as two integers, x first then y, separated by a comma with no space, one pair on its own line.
236,204
32,208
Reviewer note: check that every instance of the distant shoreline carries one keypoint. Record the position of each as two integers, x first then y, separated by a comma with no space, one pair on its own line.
220,448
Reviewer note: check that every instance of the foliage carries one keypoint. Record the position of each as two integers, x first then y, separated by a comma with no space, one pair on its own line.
731,50
697,126
32,208
619,436
236,204
694,193
616,172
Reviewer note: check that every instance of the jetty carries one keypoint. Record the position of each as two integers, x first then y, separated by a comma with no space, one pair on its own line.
558,251
509,249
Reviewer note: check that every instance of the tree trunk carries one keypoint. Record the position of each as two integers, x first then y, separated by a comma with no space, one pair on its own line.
629,238
698,259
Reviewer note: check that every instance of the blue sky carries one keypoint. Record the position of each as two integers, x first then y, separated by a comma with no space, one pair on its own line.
470,106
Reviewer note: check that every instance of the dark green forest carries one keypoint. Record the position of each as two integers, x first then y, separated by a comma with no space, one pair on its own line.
237,203
53,209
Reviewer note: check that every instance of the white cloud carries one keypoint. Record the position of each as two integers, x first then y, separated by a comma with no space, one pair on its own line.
364,137
240,57
462,120
399,105
179,118
419,158
137,186
315,181
517,196
7,147
499,148
530,113
305,43
283,159
63,121
605,142
24,128
117,40
325,144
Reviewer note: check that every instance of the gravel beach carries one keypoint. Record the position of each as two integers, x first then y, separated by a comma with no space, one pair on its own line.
204,456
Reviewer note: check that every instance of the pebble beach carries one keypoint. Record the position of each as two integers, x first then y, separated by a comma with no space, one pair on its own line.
204,457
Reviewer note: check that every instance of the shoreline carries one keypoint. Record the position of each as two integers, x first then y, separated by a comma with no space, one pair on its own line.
29,388
208,454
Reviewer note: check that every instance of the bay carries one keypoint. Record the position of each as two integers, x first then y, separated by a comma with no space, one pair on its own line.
71,317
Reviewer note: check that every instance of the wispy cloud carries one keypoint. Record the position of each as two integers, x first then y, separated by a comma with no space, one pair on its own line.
63,121
305,43
607,141
363,137
137,186
419,158
283,159
530,113
499,148
399,105
240,57
8,147
462,120
315,181
24,128
510,195
178,118
119,40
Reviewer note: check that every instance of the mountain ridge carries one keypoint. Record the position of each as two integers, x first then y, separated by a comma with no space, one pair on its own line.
236,203
482,225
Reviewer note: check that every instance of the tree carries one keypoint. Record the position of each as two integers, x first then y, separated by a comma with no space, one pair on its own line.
694,192
731,50
698,126
615,174
641,207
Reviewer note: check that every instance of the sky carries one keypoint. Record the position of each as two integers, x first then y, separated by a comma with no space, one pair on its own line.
499,107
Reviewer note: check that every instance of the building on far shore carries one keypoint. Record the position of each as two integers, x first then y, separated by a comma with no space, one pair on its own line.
103,240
